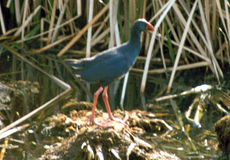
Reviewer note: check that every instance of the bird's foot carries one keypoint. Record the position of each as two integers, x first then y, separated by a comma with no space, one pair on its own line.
93,121
117,120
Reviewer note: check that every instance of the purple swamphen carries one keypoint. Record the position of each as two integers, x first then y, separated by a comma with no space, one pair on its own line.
109,65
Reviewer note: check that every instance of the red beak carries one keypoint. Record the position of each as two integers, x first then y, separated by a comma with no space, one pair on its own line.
149,27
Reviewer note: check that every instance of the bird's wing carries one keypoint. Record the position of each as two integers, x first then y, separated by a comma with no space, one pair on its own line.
105,66
104,56
86,62
107,70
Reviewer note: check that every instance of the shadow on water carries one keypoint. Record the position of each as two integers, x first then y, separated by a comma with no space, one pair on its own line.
27,92
182,125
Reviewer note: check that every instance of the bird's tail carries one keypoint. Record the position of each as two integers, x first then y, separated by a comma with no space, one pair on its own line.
76,65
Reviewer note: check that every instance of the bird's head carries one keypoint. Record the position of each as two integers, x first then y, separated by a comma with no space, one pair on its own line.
142,25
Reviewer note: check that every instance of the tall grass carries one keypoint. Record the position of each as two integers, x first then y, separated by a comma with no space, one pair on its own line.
189,34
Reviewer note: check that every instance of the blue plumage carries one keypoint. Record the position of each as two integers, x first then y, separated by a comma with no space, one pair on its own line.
111,64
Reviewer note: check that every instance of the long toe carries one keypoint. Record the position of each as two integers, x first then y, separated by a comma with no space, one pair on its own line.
118,120
102,125
93,121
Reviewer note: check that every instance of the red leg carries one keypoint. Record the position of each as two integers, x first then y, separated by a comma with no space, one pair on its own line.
96,94
92,118
105,98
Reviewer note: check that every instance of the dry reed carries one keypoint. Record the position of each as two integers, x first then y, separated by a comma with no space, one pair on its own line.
194,33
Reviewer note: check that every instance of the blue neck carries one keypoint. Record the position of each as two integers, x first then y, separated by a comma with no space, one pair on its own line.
134,46
135,37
